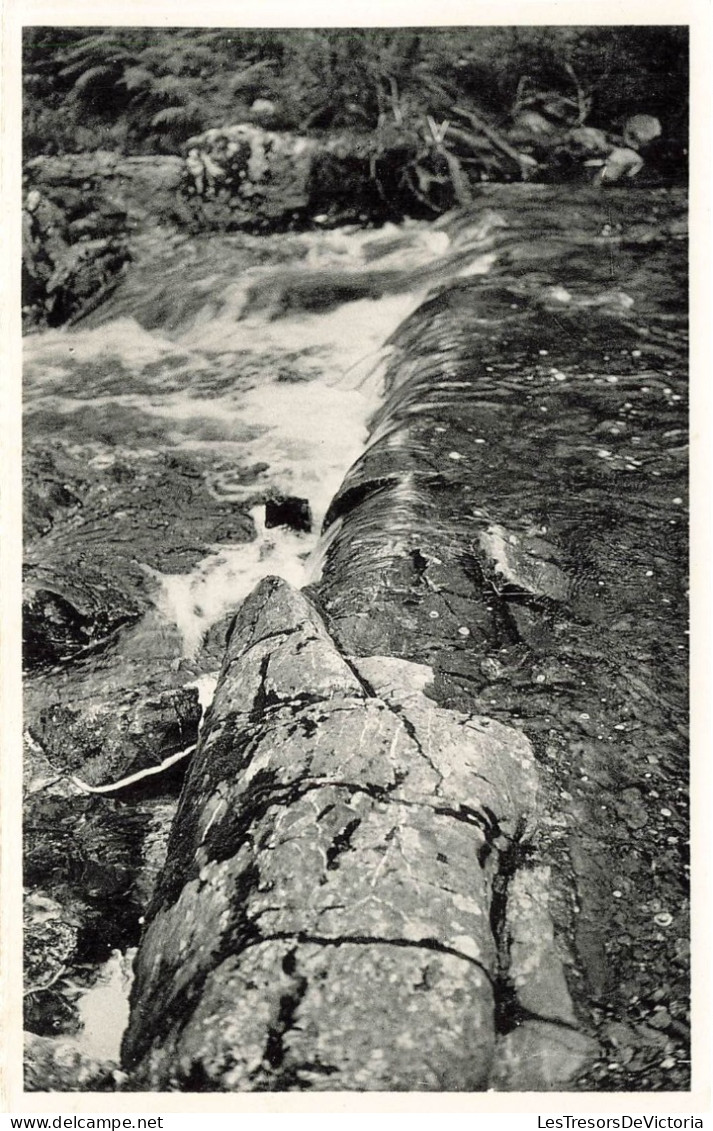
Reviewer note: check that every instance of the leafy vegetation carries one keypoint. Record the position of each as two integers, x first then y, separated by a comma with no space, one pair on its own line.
145,90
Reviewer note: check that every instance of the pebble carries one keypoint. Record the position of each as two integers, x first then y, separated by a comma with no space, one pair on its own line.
663,919
666,813
455,455
669,1062
433,614
463,631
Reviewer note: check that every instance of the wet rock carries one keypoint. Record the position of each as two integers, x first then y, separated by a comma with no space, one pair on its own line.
80,209
85,854
291,511
62,615
105,741
51,490
320,874
51,941
101,538
525,562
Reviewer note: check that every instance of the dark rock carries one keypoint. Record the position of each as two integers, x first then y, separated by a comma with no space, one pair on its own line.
291,511
69,262
67,615
86,856
50,941
104,741
51,489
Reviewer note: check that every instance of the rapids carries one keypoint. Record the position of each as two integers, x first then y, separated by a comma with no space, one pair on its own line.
506,385
266,373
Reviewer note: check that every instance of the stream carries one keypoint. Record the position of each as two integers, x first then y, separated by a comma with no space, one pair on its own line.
306,406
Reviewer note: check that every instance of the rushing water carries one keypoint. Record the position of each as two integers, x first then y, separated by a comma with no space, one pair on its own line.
265,374
227,371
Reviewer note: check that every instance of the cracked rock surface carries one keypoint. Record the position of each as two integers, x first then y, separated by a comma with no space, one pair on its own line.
324,917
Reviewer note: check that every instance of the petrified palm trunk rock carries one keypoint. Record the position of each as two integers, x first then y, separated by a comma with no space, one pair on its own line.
325,917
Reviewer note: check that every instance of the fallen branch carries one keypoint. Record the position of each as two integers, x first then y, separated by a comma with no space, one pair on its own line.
132,778
523,161
461,187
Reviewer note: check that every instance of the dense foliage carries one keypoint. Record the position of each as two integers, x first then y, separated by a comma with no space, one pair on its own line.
144,90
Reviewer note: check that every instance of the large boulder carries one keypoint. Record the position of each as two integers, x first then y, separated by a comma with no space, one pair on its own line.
330,914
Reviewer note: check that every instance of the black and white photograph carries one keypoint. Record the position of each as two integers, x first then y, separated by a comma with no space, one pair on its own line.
355,581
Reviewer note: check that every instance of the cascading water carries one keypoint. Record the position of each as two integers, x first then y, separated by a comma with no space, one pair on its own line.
499,465
259,362
269,380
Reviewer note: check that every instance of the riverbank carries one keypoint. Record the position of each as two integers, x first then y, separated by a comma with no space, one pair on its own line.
82,211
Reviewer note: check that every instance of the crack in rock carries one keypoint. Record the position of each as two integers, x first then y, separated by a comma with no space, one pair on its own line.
339,833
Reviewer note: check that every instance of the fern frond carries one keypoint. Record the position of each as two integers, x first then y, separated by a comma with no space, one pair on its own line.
90,77
173,116
250,74
134,78
169,87
95,47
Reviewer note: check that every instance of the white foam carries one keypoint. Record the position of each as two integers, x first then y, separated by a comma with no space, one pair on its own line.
124,339
308,431
205,685
219,583
104,1009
